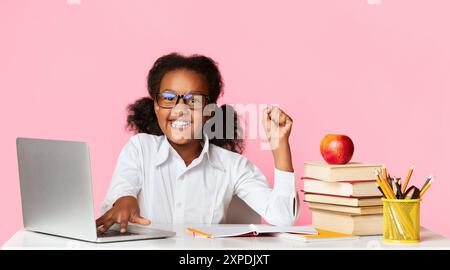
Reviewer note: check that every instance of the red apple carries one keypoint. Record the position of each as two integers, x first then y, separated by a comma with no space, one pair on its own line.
336,149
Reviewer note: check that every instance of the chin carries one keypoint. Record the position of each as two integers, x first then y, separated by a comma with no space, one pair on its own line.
179,141
180,135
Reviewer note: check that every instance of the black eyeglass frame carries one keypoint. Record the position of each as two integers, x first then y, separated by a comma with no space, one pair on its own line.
206,97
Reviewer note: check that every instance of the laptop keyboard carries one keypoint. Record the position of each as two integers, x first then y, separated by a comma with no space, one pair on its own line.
111,233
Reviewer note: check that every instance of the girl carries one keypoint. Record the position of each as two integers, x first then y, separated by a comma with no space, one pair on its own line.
173,171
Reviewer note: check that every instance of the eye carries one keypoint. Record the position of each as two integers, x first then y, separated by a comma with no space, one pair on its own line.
168,96
193,99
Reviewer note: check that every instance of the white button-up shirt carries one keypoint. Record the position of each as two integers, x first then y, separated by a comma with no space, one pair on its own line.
168,191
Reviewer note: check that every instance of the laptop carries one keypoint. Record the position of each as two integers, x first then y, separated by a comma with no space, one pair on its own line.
56,192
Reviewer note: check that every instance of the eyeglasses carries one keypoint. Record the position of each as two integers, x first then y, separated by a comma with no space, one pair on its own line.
168,100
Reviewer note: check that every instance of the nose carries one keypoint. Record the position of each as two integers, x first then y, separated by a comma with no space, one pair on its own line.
180,109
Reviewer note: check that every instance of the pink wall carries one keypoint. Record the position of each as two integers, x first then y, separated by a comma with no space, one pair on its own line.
376,72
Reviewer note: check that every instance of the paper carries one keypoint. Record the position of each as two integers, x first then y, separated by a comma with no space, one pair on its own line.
229,231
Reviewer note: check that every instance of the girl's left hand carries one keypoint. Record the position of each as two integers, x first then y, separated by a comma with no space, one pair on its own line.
277,125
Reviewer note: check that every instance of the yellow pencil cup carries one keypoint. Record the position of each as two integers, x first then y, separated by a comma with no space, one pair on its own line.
401,221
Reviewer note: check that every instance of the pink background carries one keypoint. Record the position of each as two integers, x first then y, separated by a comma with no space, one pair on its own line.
376,70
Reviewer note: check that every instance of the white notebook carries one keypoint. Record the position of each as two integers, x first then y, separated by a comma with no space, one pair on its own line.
322,236
217,231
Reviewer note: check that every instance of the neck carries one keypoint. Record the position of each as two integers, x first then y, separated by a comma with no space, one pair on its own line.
188,152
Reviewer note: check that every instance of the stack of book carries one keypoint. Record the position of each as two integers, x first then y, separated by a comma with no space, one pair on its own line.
344,198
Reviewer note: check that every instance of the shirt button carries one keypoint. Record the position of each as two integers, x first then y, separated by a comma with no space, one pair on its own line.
179,204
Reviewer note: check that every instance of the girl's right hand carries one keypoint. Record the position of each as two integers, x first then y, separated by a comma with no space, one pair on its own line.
124,210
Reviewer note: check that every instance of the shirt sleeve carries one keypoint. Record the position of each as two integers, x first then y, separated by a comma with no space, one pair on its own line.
126,179
278,206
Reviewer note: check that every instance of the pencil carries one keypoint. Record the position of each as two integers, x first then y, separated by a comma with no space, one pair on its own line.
384,172
408,177
398,187
385,186
422,192
380,188
427,181
390,180
199,232
381,191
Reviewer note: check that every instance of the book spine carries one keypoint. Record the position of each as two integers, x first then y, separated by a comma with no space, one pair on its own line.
346,181
352,197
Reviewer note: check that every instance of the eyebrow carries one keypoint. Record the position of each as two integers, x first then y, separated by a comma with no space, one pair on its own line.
192,92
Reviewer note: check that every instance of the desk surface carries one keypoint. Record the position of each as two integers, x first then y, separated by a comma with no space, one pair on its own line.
183,240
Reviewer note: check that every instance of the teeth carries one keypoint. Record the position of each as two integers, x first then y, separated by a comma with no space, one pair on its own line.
180,123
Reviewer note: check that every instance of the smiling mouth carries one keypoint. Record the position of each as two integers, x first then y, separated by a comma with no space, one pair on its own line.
180,123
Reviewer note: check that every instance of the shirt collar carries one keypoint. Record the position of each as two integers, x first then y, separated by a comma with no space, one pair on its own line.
165,147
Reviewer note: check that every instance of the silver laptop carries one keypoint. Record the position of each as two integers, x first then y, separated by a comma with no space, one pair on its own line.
56,192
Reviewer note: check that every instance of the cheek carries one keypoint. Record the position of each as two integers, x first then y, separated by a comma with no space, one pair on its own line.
161,115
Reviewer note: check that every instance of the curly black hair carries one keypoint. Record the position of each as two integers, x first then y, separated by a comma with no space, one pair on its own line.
141,116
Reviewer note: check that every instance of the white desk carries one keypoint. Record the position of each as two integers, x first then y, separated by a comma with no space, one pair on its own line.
184,241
